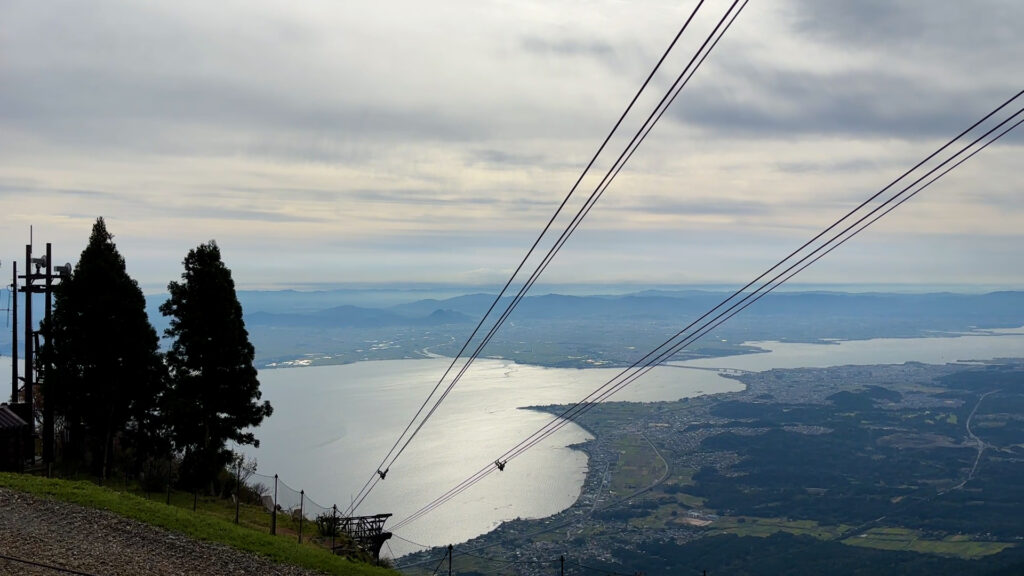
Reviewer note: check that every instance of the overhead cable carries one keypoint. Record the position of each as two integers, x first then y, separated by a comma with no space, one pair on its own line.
406,435
638,138
680,340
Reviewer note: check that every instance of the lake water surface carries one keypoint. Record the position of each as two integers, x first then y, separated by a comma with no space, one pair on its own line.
332,425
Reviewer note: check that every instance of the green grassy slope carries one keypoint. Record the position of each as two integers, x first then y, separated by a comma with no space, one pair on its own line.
200,525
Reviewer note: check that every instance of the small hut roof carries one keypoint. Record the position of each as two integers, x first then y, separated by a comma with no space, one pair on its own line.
9,420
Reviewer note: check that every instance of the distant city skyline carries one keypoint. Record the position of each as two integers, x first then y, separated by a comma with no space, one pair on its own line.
326,144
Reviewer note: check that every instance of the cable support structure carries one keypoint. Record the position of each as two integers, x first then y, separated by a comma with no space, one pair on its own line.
659,110
687,336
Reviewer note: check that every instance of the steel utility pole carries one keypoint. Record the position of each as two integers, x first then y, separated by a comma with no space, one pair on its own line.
14,336
28,338
47,405
44,272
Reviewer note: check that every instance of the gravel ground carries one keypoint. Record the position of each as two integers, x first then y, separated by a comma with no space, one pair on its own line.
97,542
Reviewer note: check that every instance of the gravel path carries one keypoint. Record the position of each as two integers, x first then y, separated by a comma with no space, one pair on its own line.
105,544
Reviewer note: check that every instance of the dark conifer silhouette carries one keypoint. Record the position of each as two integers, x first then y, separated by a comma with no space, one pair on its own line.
216,392
102,370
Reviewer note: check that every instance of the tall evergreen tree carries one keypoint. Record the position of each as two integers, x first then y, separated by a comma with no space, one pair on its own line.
216,392
102,370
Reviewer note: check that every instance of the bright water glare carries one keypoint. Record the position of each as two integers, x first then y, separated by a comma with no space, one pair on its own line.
332,425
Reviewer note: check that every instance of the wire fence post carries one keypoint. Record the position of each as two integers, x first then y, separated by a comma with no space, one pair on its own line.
273,513
562,560
168,481
302,502
238,489
334,525
449,560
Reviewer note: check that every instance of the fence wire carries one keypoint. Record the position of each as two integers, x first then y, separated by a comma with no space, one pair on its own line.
288,500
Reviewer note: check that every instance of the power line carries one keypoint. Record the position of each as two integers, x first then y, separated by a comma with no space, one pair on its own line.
757,294
581,408
46,566
452,550
607,180
638,138
392,552
647,361
424,546
443,558
502,561
603,571
385,466
392,455
673,345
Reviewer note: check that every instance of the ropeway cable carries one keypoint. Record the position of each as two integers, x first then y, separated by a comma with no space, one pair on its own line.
746,304
580,410
595,195
383,468
392,455
565,417
794,269
659,111
647,359
654,358
614,171
639,137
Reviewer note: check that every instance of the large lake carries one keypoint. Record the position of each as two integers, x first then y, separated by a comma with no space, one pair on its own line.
332,425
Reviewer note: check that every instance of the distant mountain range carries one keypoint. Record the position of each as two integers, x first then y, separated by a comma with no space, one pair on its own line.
557,329
941,312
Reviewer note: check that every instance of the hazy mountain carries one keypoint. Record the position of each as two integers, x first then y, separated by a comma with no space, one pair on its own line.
581,330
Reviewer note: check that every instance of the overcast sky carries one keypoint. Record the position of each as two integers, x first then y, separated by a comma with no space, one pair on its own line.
330,142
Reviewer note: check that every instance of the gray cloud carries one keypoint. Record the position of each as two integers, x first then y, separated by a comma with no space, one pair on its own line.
832,167
16,190
404,132
507,159
236,214
698,206
568,47
903,69
787,103
957,27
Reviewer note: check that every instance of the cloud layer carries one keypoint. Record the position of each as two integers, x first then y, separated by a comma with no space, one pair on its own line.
405,141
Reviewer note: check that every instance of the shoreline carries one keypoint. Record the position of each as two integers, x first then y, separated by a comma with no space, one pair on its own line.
592,497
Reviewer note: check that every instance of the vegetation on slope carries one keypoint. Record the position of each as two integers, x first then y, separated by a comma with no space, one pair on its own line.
201,525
